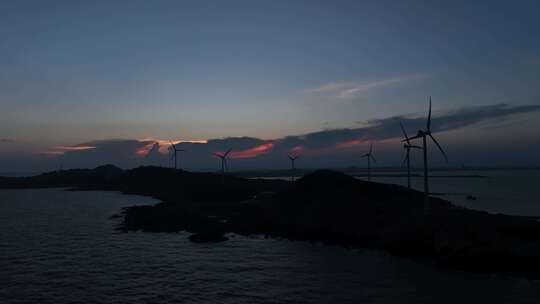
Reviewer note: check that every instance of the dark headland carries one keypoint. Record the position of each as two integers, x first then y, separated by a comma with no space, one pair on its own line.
323,206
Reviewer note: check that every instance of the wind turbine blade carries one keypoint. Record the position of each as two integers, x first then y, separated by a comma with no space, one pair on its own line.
172,145
373,158
405,157
227,153
439,146
404,133
217,154
414,137
429,116
370,148
365,155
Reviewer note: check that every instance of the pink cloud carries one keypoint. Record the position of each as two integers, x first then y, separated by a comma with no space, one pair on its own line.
61,150
143,151
253,152
349,144
164,144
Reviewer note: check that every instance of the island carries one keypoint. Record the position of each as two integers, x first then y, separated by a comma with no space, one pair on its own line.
323,206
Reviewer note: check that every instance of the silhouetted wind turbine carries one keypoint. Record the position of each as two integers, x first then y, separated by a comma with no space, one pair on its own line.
424,134
408,146
223,157
369,156
293,168
174,155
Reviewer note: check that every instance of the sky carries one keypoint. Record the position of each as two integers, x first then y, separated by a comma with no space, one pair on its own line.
84,83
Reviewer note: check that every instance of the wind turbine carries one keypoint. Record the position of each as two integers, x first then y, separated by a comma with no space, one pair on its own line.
223,157
293,168
369,156
174,155
424,134
408,146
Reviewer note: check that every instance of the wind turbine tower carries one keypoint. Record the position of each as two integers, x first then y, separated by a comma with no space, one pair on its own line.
174,151
369,157
293,167
407,159
424,134
223,157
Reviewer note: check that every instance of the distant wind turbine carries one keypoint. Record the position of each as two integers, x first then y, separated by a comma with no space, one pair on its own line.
407,159
174,154
223,157
369,157
293,167
424,134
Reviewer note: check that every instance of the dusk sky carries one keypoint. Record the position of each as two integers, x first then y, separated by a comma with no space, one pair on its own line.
103,81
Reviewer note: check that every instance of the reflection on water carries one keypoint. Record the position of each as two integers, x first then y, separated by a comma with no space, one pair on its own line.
60,247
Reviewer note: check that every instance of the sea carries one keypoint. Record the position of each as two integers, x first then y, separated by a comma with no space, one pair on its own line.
507,191
59,246
510,191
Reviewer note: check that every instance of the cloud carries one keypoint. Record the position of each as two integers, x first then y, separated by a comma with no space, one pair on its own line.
331,87
165,144
121,152
6,140
250,152
349,90
148,150
451,120
63,149
254,151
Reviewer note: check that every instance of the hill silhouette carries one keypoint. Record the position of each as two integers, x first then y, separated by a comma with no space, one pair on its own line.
325,206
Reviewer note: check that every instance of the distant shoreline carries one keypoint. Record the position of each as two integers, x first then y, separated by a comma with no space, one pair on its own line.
378,175
266,172
323,206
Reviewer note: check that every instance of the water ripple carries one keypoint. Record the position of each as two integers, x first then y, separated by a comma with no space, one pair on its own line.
60,247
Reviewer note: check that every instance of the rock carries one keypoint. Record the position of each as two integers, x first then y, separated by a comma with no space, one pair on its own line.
208,237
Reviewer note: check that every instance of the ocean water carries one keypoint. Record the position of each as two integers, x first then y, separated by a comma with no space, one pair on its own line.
59,247
514,192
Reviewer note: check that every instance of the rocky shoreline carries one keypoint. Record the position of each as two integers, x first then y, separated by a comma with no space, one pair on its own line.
324,206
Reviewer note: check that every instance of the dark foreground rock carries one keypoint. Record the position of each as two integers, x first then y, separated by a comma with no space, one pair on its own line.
324,206
333,208
208,237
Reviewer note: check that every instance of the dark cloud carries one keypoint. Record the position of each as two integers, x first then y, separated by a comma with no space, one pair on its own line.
379,129
386,128
252,152
124,153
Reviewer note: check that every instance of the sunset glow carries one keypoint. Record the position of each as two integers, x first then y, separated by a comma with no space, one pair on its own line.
253,152
143,151
61,150
269,151
265,89
74,148
349,144
164,145
320,151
